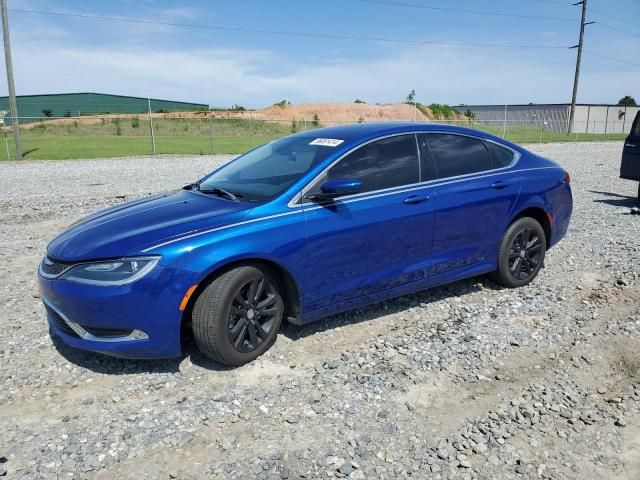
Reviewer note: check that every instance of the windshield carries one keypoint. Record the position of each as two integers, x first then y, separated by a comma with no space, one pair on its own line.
269,170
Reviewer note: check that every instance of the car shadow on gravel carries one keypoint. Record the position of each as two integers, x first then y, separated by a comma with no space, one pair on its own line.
391,307
108,365
615,199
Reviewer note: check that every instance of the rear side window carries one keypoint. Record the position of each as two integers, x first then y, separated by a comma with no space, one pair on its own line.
386,163
502,157
456,155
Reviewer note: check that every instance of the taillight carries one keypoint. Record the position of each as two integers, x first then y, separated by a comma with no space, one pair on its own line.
567,177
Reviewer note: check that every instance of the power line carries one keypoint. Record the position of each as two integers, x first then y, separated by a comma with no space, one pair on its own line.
309,34
395,3
287,33
552,2
611,58
457,10
626,32
598,12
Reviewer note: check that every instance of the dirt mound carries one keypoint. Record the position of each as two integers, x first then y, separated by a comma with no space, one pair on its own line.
346,112
324,113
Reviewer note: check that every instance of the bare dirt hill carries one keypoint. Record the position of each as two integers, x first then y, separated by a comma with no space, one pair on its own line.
346,112
324,113
327,113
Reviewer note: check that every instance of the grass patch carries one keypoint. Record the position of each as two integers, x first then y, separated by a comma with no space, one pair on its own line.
538,134
109,137
67,148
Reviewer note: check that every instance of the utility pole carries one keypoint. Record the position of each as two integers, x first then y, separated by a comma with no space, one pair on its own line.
15,124
153,138
572,111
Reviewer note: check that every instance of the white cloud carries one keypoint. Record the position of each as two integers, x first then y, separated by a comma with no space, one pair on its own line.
181,12
260,77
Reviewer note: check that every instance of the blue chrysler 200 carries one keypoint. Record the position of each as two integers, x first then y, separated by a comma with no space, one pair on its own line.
301,228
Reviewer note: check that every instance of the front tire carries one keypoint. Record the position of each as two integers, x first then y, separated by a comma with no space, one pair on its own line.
521,253
236,318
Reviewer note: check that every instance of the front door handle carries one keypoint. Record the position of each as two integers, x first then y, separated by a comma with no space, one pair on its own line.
499,185
416,199
630,145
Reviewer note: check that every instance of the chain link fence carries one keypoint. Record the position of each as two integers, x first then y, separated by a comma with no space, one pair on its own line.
204,133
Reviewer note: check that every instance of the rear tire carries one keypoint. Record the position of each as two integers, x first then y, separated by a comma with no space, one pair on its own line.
236,318
521,253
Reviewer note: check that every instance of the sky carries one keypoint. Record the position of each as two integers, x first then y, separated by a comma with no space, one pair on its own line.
222,67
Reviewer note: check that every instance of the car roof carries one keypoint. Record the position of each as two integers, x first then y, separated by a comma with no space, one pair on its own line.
362,131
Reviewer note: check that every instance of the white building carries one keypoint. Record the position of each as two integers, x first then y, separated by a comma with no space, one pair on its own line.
589,118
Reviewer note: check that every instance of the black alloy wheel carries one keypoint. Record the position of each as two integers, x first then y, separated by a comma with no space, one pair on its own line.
521,253
236,317
252,314
525,254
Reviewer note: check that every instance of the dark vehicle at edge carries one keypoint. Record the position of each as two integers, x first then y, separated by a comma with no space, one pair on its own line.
630,166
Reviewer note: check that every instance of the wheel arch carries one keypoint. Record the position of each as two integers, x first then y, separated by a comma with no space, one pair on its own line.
284,277
539,215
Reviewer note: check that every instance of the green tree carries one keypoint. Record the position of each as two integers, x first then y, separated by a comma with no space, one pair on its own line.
316,120
47,112
357,100
411,97
627,101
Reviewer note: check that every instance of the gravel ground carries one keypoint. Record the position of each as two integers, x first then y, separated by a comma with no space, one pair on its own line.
463,381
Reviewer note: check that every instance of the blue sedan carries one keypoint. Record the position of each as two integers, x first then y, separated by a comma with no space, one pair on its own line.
298,229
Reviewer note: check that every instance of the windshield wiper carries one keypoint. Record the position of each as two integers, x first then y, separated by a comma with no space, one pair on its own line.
222,193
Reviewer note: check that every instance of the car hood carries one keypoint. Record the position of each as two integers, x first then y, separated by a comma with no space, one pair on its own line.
127,228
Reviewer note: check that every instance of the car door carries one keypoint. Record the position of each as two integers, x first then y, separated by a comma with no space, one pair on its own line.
630,167
377,239
475,195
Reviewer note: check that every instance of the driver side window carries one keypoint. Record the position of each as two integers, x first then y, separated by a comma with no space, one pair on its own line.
386,163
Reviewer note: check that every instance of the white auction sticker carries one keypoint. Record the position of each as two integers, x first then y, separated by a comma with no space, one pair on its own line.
327,142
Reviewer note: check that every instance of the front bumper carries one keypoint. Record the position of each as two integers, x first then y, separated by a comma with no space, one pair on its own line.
138,320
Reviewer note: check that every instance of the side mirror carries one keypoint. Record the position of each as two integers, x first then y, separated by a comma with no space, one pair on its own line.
337,187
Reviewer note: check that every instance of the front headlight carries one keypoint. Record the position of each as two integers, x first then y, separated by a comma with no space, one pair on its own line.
111,272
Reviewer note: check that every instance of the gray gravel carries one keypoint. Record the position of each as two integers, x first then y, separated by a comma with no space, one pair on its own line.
464,381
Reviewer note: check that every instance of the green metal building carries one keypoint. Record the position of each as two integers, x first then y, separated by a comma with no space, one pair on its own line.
37,107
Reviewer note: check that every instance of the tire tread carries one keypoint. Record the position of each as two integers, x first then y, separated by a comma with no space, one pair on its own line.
501,274
208,314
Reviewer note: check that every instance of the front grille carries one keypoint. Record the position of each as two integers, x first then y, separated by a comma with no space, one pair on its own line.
59,322
52,267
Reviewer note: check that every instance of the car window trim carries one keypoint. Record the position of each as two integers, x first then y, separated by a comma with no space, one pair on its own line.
300,195
293,203
484,146
309,185
493,158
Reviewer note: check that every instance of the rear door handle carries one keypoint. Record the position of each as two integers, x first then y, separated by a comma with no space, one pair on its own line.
416,199
630,145
499,185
